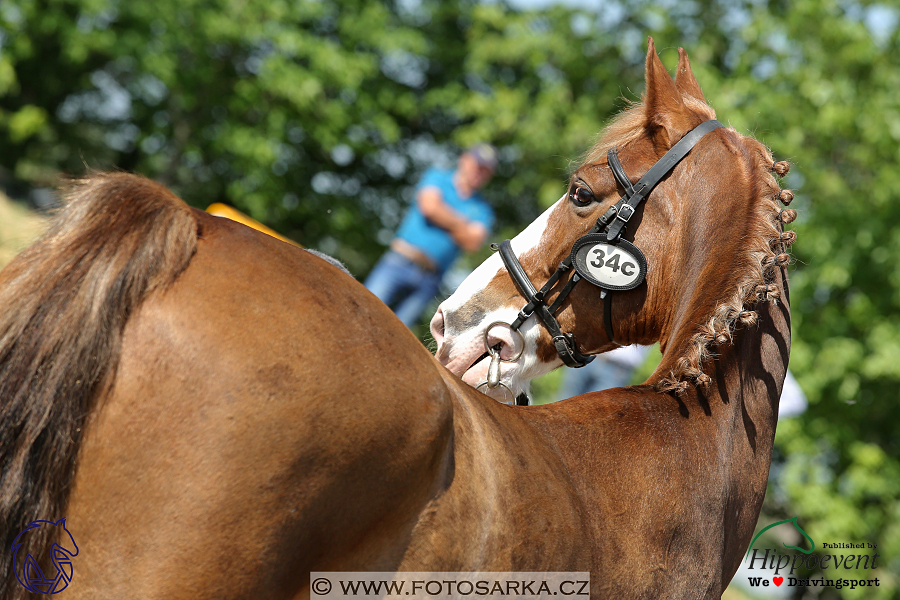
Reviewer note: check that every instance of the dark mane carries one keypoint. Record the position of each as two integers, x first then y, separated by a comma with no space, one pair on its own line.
765,242
65,302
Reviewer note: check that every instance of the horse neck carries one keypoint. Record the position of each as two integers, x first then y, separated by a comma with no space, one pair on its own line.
704,455
748,373
711,243
741,402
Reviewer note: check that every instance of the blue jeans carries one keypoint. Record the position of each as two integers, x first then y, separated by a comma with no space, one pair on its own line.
403,285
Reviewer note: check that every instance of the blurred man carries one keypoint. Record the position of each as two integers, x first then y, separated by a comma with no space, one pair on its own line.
447,217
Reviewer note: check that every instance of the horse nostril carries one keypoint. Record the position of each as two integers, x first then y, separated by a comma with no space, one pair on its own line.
437,326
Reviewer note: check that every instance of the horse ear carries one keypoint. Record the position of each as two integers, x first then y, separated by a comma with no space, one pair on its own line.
684,78
665,111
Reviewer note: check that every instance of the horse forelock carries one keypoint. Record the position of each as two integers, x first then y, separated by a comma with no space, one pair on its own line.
66,300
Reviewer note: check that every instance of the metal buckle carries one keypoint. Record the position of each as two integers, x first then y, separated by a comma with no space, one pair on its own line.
562,341
621,216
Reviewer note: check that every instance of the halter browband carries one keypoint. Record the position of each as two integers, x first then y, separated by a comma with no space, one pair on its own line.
612,223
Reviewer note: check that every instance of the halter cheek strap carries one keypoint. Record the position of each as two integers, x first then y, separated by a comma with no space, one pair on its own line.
637,193
607,316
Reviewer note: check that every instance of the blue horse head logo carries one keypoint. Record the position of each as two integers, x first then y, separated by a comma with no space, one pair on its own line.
29,573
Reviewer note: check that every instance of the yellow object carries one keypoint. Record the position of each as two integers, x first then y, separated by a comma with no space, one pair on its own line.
229,212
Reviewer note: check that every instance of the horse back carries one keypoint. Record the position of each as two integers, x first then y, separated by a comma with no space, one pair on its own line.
261,425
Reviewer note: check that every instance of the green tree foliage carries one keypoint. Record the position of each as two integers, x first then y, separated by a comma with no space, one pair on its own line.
317,117
314,117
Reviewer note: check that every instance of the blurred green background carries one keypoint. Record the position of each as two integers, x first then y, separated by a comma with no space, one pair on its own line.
316,117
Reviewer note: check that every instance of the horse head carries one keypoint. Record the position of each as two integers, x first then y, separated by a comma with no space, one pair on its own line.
710,232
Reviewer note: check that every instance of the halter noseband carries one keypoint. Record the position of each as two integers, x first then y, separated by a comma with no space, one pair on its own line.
606,233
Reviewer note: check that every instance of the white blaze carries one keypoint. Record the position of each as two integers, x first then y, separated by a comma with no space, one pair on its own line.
529,238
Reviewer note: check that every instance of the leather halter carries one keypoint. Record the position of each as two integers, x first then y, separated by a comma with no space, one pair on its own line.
612,224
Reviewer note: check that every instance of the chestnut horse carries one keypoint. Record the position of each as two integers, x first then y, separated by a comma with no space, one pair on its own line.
216,413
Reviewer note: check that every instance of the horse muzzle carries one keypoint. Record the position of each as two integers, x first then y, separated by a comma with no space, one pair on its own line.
489,356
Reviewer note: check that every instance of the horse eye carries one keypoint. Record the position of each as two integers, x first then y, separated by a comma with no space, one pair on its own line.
581,196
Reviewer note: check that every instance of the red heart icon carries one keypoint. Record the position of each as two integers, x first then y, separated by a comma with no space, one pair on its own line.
778,580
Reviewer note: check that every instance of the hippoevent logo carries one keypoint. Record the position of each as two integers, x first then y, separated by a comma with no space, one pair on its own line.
28,571
834,567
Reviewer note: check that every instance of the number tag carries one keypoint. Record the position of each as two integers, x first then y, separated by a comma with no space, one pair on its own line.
619,266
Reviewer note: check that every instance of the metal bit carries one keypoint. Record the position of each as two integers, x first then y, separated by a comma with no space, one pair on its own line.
493,379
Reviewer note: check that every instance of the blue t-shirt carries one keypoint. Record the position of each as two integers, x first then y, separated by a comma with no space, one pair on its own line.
435,242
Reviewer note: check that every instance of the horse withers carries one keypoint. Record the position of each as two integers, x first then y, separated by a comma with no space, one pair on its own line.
217,414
